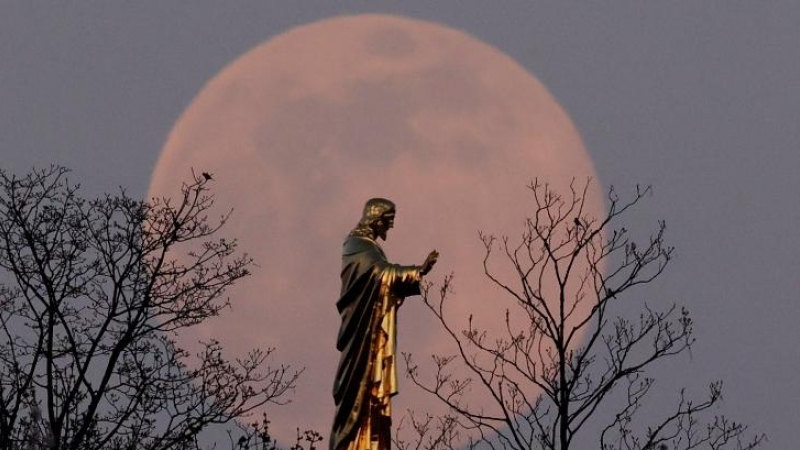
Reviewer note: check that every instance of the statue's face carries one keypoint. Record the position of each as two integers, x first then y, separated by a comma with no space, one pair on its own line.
383,225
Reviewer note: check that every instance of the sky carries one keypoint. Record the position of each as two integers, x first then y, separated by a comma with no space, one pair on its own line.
700,99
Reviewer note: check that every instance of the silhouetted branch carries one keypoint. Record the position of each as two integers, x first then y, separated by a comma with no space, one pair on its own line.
561,354
92,294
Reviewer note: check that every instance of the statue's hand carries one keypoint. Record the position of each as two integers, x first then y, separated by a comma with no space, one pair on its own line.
429,262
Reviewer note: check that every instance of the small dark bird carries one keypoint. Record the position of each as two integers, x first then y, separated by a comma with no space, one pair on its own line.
207,176
577,222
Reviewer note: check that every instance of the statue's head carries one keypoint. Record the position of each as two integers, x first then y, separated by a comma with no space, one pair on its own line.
378,216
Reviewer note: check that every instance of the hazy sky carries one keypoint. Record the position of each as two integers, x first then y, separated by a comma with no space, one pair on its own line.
699,98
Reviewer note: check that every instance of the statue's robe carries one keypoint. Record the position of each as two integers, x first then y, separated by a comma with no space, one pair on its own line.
372,290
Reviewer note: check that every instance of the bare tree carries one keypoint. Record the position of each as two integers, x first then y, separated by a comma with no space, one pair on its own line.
92,296
564,349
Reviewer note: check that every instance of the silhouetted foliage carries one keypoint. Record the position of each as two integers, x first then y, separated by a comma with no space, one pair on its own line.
564,351
92,295
257,436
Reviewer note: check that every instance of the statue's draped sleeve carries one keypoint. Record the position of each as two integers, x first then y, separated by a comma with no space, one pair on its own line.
372,289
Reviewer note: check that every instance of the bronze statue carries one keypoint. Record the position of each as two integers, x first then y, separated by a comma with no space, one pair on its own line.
372,290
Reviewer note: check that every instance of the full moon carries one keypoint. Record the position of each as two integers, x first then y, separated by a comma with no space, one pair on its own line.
301,130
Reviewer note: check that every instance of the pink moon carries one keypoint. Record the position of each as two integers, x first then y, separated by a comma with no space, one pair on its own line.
301,130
